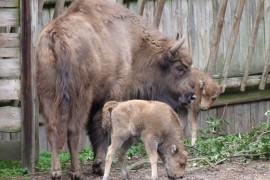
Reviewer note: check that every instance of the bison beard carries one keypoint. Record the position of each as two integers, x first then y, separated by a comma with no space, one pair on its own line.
96,52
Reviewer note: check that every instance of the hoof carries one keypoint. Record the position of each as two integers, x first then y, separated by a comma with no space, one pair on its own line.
97,169
76,176
56,174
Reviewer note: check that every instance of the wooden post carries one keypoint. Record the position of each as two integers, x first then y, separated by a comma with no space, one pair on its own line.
141,8
59,7
266,69
29,10
232,40
159,13
252,41
216,39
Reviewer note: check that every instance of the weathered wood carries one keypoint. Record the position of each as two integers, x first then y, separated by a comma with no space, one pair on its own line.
266,70
10,3
10,150
141,8
10,68
9,40
29,21
10,119
50,2
10,89
251,46
158,13
232,40
252,81
239,118
241,97
9,17
9,52
59,7
216,38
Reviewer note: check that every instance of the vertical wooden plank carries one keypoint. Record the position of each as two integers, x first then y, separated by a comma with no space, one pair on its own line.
221,113
192,34
239,119
202,124
28,28
254,113
247,119
262,109
43,146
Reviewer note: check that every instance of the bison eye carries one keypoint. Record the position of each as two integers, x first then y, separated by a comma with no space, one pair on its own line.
180,70
214,98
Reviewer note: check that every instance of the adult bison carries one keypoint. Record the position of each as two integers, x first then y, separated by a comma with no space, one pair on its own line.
95,52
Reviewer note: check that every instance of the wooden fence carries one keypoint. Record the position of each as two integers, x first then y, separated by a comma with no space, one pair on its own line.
17,84
196,19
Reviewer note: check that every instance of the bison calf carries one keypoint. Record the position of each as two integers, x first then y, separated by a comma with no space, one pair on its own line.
207,91
152,121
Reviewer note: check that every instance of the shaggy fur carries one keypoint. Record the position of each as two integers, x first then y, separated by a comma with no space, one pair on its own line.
207,91
156,124
95,52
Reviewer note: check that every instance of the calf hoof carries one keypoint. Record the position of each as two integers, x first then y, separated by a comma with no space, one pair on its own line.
97,169
56,174
76,176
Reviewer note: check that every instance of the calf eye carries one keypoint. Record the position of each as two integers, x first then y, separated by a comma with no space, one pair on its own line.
214,98
182,165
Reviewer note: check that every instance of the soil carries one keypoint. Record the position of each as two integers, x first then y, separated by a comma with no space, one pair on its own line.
235,170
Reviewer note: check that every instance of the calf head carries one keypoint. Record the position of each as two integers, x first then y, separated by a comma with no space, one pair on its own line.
210,92
175,161
177,83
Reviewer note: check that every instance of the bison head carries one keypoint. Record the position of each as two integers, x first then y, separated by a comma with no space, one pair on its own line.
176,76
175,161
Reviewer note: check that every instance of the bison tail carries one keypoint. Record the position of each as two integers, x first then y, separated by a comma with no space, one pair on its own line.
65,81
106,115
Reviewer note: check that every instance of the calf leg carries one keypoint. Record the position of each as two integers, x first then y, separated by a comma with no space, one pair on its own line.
121,157
151,149
115,146
193,119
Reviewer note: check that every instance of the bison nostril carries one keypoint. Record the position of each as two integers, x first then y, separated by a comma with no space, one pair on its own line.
193,98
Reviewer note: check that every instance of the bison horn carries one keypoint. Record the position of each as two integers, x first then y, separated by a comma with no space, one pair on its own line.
177,45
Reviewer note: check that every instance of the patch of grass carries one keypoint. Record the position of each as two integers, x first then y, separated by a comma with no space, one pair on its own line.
136,150
44,164
11,169
215,150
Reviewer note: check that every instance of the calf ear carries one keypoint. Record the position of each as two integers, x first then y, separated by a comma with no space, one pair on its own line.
201,84
174,149
222,88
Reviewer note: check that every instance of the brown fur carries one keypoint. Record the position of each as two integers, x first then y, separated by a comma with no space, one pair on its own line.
207,91
152,121
95,52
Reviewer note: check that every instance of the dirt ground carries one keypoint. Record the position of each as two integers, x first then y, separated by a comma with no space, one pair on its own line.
251,170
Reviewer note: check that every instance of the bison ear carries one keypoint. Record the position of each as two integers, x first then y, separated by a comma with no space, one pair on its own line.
177,45
201,84
174,149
